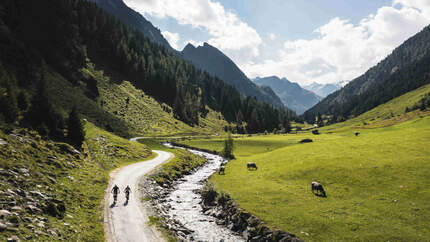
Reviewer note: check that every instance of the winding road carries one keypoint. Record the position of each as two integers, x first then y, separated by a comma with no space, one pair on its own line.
129,222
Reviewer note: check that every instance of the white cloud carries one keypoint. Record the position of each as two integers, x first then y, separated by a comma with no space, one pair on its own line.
272,36
227,31
342,50
172,38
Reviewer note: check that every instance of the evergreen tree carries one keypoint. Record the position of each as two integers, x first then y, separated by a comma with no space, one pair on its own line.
23,102
43,117
287,125
227,152
75,129
8,103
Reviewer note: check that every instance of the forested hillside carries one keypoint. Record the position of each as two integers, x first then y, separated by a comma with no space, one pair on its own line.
128,16
407,68
43,38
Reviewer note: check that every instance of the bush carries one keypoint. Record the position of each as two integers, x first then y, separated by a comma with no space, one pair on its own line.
208,194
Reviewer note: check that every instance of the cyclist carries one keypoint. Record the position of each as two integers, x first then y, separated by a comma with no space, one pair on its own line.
127,191
115,191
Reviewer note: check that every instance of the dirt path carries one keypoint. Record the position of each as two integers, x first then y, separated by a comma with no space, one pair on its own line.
128,222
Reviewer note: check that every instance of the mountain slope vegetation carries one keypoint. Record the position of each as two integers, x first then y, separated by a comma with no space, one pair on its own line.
128,16
64,36
291,94
405,69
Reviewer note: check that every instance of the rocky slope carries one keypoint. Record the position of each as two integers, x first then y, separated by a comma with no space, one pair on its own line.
49,191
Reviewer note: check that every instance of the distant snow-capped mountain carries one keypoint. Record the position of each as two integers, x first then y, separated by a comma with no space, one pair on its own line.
323,90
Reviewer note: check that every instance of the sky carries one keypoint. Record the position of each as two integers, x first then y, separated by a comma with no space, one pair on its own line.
323,41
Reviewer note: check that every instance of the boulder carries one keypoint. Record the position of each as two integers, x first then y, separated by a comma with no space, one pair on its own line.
33,209
3,142
2,226
16,208
4,213
13,238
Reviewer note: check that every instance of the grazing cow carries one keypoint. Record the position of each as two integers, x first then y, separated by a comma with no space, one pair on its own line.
221,170
251,165
318,189
357,133
316,132
305,141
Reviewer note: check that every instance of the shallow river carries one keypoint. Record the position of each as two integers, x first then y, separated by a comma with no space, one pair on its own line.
184,203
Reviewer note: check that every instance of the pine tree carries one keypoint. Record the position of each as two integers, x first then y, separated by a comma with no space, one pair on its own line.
8,102
75,129
227,152
43,117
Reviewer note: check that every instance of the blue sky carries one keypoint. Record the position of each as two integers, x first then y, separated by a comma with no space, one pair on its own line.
292,19
308,41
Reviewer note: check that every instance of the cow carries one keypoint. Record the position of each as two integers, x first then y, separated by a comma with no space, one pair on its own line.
357,133
221,170
251,165
316,132
318,189
305,141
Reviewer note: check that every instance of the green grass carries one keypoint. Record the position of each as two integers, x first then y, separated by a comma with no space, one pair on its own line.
79,181
248,146
377,183
143,114
182,162
386,114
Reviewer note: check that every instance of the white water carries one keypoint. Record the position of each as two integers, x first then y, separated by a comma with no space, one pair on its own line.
185,207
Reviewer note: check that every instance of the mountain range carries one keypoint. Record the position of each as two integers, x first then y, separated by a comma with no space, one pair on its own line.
323,90
291,94
206,57
216,63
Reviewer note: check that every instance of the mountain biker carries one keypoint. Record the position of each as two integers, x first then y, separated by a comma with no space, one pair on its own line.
127,191
115,191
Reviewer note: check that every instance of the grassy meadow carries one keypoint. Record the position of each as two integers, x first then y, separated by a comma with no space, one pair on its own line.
376,183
